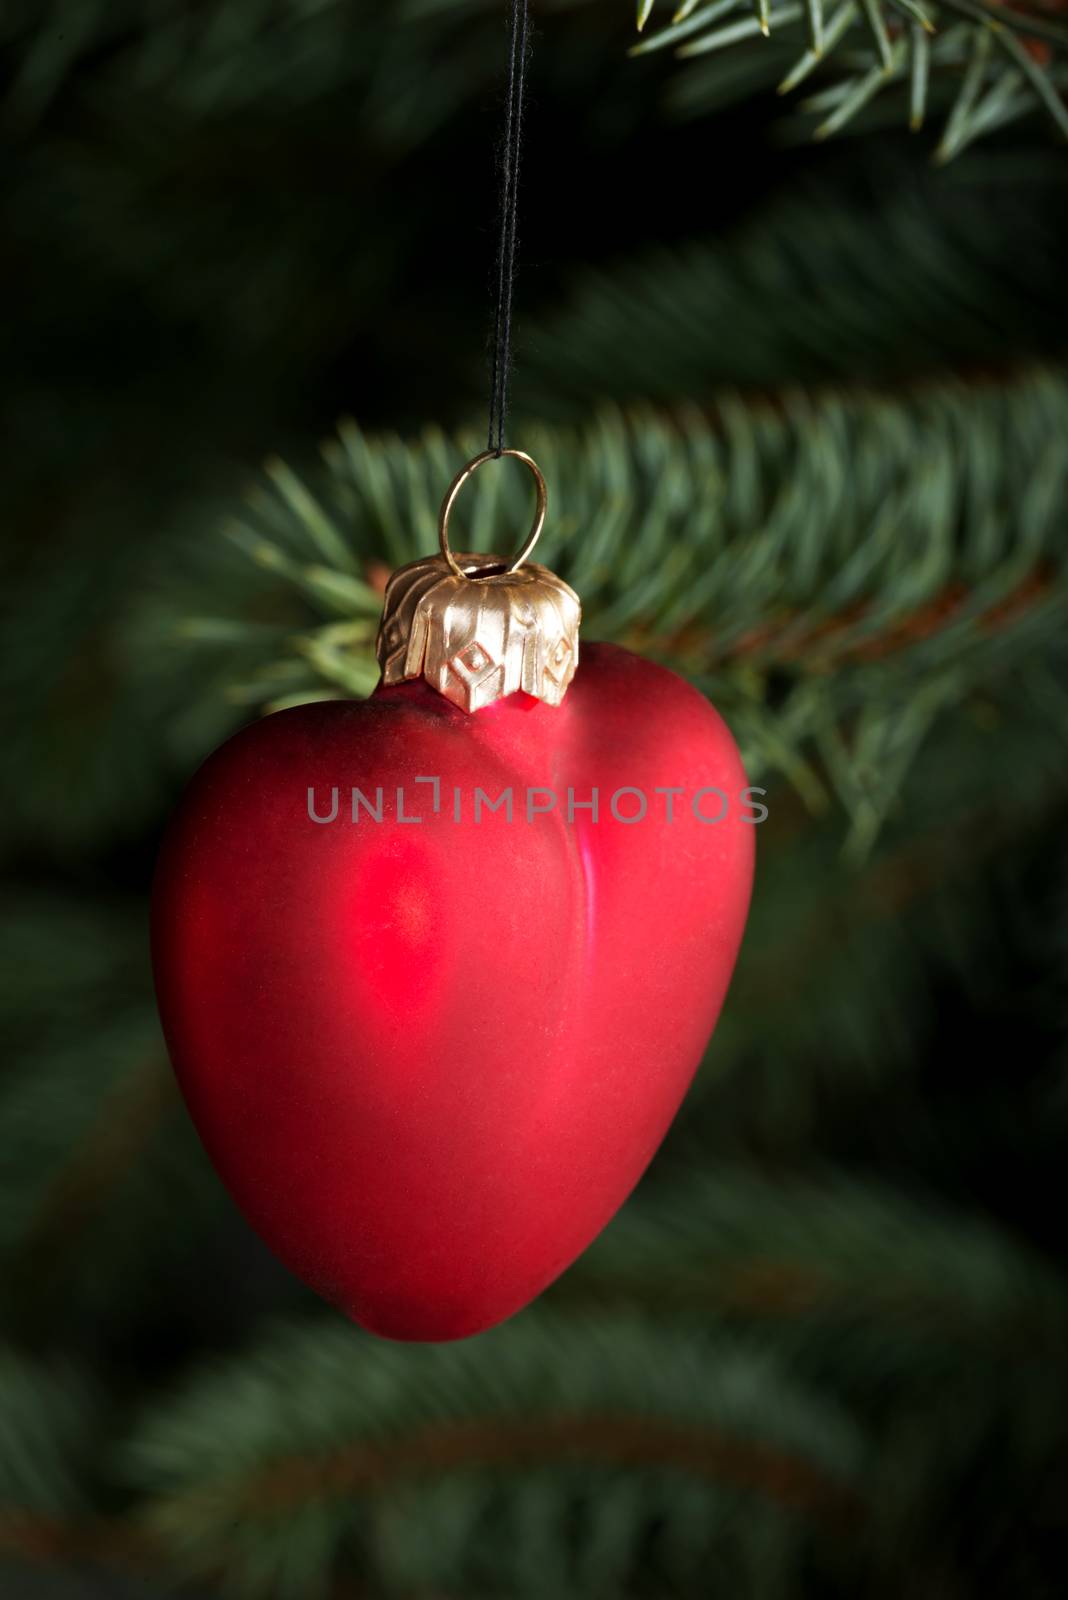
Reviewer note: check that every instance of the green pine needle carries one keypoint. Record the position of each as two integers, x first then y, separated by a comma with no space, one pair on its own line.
1002,104
836,28
971,86
814,20
685,26
874,16
919,73
1039,80
747,29
914,12
858,94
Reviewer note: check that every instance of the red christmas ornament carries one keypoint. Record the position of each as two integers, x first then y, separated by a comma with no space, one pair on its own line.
429,1045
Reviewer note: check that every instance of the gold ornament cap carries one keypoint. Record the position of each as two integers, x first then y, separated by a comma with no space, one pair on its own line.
475,627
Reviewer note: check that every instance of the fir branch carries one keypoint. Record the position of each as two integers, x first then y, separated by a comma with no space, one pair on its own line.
826,1249
696,36
75,1194
107,722
247,1452
214,58
49,1413
284,1491
101,1155
843,639
771,497
906,277
519,1444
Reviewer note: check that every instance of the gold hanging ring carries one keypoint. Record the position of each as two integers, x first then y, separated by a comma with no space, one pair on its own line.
454,489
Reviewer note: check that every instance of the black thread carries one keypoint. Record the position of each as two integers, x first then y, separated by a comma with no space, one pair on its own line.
501,358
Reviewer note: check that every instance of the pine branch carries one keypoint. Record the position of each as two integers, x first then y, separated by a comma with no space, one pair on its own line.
805,558
822,289
836,997
107,1204
220,58
48,1417
810,562
102,1160
910,275
828,1250
943,44
215,58
76,1193
321,1438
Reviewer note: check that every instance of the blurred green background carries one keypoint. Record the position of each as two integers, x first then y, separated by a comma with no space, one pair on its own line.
803,409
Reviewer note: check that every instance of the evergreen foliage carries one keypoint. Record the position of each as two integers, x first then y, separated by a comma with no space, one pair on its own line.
836,570
904,274
997,61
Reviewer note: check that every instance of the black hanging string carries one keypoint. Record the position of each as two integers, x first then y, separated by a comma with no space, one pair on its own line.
501,355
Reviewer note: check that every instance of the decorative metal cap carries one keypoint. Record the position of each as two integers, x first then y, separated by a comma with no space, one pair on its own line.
476,628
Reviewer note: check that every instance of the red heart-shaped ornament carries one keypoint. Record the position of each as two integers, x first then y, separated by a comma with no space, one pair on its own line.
430,1058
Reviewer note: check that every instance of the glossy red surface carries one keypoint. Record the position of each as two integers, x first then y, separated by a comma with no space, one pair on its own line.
430,1059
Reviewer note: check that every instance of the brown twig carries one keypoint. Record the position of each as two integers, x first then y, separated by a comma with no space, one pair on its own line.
601,1439
788,641
97,1162
45,1540
370,1467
